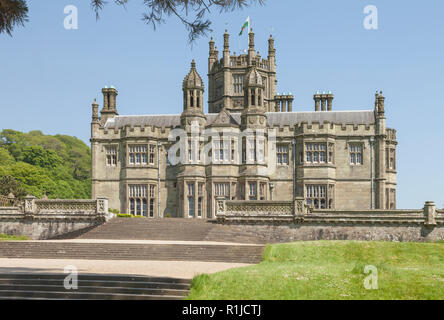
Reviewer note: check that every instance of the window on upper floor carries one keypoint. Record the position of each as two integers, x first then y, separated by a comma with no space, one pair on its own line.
355,153
152,153
316,152
238,80
138,154
111,156
221,150
282,154
390,158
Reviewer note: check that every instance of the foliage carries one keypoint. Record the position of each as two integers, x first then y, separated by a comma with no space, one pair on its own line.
332,270
115,211
6,237
8,184
125,215
192,13
59,165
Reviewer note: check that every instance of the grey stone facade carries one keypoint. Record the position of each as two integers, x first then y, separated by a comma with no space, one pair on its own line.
344,160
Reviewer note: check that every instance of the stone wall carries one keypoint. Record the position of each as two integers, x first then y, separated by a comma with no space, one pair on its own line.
43,219
280,221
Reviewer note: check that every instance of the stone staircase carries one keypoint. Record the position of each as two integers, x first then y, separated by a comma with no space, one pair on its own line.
91,287
125,251
167,229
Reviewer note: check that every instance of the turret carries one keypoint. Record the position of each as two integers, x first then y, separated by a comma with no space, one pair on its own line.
271,54
251,51
109,109
193,94
380,151
212,56
253,115
226,54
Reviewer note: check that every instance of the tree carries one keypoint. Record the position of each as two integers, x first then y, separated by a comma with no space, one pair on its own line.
39,156
8,184
192,13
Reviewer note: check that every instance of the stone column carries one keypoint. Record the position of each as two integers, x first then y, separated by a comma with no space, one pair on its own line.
30,207
290,105
430,214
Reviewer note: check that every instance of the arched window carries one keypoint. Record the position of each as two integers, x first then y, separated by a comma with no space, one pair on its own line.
191,99
253,98
259,102
198,102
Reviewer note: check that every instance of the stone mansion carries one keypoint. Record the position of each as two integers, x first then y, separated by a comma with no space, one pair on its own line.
251,146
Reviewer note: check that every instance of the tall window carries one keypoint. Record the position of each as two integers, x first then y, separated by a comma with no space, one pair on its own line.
252,190
355,153
221,150
390,158
152,199
191,199
111,156
138,154
252,149
316,196
152,153
238,83
260,150
262,191
330,152
316,152
282,154
138,198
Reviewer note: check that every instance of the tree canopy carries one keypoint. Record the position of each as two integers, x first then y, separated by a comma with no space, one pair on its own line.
34,163
192,13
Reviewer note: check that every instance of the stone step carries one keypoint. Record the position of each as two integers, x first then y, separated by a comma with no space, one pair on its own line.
112,251
23,294
109,287
167,229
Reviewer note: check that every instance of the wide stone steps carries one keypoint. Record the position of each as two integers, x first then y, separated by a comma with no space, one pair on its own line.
167,229
91,287
123,251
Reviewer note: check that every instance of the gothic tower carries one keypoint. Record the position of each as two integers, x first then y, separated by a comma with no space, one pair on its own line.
226,76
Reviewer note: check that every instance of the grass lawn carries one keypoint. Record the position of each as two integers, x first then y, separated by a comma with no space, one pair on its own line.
331,270
5,237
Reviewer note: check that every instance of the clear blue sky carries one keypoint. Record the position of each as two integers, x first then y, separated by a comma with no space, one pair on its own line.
50,76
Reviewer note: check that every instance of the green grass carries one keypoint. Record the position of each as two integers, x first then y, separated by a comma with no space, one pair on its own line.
124,215
5,237
331,270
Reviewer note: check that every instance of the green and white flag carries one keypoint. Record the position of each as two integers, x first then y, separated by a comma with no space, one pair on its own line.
247,24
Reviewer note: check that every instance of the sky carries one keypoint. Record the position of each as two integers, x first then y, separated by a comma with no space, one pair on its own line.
49,76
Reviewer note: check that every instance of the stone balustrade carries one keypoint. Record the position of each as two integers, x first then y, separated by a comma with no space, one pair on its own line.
42,219
298,211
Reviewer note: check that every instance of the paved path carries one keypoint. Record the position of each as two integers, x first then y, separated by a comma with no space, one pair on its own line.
171,269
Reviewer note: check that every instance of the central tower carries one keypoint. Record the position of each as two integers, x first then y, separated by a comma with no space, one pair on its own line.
226,76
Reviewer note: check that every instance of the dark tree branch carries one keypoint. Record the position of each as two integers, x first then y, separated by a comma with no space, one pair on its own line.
195,22
12,13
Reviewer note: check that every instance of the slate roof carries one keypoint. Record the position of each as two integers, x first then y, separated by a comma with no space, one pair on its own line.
278,119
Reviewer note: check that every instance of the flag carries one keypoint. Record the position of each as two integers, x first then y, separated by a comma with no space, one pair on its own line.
247,24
